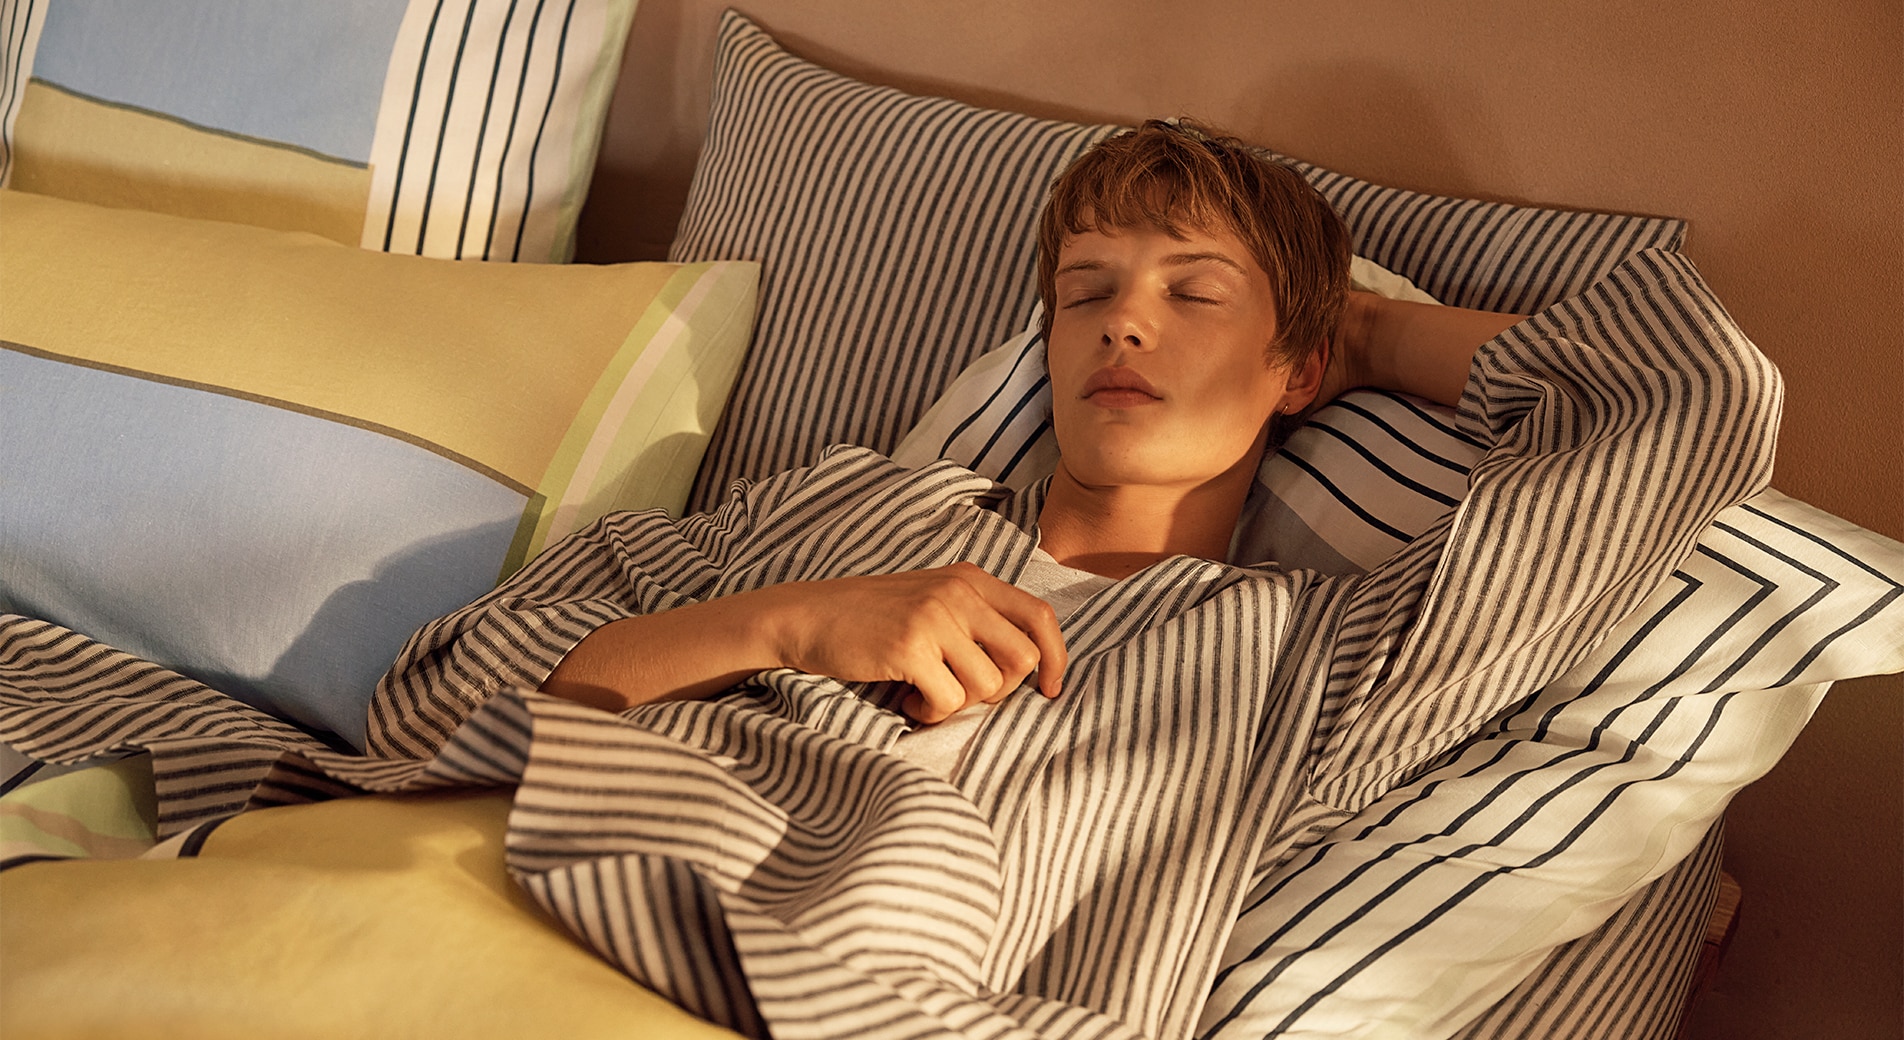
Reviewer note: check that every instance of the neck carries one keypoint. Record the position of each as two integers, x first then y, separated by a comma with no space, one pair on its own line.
1119,529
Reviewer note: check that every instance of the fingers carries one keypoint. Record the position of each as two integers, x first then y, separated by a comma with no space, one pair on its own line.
939,694
981,674
965,654
980,639
1008,648
1032,639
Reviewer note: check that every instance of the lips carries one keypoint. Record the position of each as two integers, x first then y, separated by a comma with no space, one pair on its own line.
1119,386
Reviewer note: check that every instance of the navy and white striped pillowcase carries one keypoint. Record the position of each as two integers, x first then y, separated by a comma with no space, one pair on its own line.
1487,255
19,39
898,238
490,156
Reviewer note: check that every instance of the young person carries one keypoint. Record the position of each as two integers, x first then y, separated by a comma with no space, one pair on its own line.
746,834
1173,353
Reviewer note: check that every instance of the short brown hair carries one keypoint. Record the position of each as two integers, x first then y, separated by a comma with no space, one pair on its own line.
1174,176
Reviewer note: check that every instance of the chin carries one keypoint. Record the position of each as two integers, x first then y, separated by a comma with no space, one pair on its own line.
1097,471
1153,463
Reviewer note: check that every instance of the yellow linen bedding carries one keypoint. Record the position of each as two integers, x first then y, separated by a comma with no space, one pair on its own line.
375,916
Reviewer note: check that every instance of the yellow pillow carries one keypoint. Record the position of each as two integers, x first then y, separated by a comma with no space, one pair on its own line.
388,915
263,459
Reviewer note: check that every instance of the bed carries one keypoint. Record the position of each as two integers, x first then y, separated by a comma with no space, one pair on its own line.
327,442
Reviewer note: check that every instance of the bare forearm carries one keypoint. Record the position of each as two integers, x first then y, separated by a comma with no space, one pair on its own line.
957,634
1417,348
682,654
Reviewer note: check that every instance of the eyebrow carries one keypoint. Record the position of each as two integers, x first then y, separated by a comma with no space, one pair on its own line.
1173,260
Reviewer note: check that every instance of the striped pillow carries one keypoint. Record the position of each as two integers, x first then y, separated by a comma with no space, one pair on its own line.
17,44
263,460
898,238
446,128
1487,255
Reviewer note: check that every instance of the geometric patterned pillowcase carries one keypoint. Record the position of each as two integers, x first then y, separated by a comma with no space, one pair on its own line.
1430,905
459,129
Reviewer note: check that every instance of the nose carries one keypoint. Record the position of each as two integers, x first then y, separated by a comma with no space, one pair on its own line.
1128,325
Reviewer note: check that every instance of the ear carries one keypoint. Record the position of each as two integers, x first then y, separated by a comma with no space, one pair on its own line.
1305,380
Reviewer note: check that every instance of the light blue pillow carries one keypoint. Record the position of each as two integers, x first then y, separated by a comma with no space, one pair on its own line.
263,460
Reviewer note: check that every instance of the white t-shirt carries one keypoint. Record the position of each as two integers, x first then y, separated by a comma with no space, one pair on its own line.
937,747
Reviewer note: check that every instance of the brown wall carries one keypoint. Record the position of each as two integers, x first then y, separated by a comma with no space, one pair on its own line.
1777,130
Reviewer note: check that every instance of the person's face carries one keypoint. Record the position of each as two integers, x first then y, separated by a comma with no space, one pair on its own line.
1158,353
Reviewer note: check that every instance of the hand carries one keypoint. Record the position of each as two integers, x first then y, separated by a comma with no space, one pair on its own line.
958,635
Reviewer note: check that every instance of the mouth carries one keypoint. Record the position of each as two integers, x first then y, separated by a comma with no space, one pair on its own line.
1118,387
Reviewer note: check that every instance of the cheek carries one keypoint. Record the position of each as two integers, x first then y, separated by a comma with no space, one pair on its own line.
1064,359
1246,391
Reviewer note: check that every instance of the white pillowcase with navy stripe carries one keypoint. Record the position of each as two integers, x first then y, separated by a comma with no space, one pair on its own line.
1421,913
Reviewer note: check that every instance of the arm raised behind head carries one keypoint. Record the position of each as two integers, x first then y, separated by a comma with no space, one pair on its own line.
1422,349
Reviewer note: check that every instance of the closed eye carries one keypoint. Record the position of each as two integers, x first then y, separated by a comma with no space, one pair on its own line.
1202,294
1207,286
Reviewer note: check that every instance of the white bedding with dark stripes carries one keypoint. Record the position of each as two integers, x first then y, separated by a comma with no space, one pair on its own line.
762,860
20,25
473,156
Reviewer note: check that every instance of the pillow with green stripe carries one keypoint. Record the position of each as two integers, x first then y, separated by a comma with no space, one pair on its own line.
263,459
448,128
